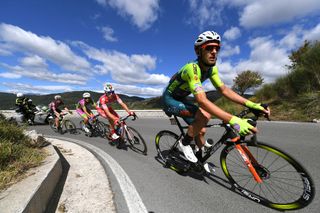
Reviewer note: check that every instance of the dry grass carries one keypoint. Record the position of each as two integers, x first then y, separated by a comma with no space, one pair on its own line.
17,155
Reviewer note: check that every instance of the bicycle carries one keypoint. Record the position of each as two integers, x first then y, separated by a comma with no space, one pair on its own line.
97,127
130,135
260,172
63,123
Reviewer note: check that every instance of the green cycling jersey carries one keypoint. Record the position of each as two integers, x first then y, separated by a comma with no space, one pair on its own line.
189,80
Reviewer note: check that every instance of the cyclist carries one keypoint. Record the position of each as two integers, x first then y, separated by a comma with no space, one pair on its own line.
30,111
55,110
106,111
189,80
82,108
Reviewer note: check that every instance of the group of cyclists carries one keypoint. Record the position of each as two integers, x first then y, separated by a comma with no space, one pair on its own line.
187,80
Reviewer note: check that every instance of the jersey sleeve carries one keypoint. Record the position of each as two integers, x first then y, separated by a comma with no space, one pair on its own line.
103,102
215,79
191,74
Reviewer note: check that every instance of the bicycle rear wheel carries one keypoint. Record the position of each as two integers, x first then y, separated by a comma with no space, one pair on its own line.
136,140
286,184
70,127
169,153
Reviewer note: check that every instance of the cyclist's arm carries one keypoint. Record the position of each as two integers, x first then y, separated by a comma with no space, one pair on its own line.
231,95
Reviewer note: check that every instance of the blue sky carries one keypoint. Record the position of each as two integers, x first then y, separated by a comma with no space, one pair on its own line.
51,46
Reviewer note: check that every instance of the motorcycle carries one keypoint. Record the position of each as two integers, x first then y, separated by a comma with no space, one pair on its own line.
38,115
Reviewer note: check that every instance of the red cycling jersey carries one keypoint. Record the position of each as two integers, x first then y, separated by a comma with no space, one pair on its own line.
104,100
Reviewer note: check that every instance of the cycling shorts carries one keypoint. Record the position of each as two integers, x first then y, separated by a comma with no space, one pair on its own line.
182,108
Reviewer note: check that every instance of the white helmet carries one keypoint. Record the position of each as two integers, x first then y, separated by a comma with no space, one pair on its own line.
207,36
86,95
30,100
57,97
20,95
108,88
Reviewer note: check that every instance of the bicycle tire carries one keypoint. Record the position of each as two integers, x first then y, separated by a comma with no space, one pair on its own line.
70,127
170,156
136,140
103,129
286,184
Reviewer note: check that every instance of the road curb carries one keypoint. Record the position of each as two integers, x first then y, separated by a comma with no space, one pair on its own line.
33,193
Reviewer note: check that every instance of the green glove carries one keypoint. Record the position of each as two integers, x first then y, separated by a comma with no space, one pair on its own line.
241,125
252,105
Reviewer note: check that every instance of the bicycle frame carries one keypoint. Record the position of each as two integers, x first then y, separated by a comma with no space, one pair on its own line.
229,136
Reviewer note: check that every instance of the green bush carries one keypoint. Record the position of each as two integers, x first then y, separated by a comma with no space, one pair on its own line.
16,153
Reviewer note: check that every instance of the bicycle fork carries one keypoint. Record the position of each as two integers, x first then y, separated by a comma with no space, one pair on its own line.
248,159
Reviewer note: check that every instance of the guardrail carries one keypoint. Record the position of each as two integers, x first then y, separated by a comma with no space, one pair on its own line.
140,113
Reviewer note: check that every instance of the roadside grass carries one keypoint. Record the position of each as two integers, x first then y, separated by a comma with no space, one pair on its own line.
17,154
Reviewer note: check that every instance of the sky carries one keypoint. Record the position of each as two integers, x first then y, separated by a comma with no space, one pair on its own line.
54,46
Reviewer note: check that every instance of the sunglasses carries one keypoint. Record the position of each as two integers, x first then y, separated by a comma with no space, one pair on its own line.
211,46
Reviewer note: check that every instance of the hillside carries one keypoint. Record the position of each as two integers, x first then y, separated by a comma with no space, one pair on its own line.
70,98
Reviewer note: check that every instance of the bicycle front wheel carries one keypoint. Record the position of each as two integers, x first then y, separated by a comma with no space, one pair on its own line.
286,185
52,125
136,140
169,153
70,127
103,129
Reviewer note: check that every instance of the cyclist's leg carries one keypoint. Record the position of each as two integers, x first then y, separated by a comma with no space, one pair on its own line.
187,111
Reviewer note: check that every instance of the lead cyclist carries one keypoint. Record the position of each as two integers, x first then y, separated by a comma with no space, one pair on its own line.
189,80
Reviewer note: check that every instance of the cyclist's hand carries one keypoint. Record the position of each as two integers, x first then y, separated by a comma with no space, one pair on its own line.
259,107
132,113
242,125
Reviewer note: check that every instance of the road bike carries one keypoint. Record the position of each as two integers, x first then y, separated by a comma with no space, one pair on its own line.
65,124
260,172
130,135
96,127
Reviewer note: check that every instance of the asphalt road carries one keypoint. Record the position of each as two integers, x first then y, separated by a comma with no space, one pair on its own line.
163,190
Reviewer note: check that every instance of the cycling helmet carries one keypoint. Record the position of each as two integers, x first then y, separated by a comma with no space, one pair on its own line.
29,100
19,95
57,97
86,95
108,88
207,36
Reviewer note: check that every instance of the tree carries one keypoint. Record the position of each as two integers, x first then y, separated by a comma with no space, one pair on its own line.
247,80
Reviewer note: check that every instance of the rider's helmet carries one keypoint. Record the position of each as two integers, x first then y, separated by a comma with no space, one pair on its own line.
86,95
30,101
108,88
57,97
207,36
20,95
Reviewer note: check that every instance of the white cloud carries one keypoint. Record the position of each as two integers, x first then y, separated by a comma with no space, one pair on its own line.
266,12
205,13
142,12
45,75
232,34
45,47
228,50
33,61
37,89
108,34
133,70
9,75
137,90
313,34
